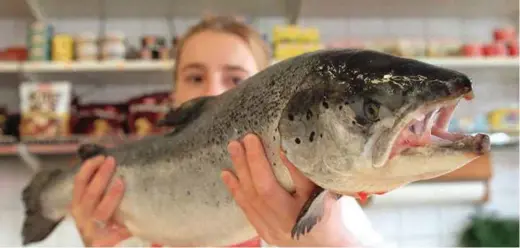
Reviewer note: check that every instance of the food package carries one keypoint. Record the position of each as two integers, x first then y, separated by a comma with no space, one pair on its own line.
45,110
153,47
86,47
5,137
62,48
294,33
114,46
3,121
39,40
504,34
145,111
471,50
101,120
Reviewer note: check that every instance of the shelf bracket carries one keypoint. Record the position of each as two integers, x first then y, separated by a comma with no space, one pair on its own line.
292,11
36,9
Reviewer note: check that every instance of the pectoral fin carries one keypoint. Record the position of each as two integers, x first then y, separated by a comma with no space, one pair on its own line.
185,113
312,212
89,150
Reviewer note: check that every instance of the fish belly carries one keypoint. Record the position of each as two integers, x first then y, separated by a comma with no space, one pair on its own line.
176,208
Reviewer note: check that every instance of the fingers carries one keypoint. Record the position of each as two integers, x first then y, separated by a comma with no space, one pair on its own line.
264,180
304,186
236,150
88,168
89,187
271,203
110,202
98,185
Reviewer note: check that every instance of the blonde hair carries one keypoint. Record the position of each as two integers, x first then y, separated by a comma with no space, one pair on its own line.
231,25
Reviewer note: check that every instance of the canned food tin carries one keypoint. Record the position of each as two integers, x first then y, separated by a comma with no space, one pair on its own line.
62,48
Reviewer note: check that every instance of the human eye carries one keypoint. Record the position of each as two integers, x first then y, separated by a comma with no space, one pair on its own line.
234,79
195,78
237,80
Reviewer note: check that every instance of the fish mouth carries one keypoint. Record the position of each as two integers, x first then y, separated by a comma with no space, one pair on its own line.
428,126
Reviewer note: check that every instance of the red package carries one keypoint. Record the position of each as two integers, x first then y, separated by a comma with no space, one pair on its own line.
100,120
471,50
145,111
512,48
504,34
74,108
489,50
500,49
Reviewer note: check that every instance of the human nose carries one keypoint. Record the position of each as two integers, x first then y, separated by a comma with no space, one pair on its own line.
214,87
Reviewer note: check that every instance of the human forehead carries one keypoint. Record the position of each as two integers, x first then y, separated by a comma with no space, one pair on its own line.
217,50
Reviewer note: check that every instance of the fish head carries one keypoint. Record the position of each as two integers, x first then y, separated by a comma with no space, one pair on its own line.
366,121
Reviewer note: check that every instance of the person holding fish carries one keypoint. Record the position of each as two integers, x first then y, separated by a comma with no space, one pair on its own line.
236,53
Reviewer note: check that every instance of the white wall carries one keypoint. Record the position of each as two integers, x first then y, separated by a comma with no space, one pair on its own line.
419,225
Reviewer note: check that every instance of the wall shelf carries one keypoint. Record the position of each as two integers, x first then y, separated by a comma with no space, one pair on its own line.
167,65
9,67
127,65
470,62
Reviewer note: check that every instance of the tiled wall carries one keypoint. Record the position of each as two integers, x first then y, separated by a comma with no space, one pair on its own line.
419,225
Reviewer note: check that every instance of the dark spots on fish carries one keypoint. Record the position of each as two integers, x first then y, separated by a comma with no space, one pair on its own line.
354,122
256,122
188,192
321,135
340,107
274,164
326,105
291,117
311,137
213,140
297,140
271,83
274,138
309,114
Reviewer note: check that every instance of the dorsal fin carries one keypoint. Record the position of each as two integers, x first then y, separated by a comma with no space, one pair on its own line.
184,114
90,150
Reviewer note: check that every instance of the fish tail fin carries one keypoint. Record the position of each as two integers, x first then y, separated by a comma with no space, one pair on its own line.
36,225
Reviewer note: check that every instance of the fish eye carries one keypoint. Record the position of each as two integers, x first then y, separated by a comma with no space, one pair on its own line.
371,110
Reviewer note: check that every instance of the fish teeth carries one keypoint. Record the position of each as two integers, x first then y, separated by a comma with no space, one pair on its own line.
432,116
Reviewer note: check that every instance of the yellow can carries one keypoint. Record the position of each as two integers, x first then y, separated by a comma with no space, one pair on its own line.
62,48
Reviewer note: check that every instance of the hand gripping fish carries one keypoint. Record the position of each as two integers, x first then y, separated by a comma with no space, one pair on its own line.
352,121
